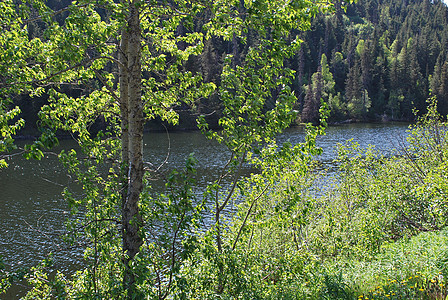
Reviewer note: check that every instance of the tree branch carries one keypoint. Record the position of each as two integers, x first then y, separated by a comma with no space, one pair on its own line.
247,215
235,181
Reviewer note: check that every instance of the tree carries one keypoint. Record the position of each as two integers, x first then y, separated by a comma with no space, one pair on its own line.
310,113
320,89
14,55
439,85
126,61
354,91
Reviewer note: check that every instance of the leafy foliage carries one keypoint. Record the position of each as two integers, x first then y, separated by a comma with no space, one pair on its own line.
284,241
136,243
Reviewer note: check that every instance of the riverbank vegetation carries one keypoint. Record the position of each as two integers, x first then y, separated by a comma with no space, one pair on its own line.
377,233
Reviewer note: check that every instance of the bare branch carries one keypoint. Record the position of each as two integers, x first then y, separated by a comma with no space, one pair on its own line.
235,181
247,215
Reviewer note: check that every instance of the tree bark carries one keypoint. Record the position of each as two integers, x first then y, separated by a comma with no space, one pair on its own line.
124,99
132,220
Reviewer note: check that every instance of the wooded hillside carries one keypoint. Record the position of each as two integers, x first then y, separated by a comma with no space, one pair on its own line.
384,57
375,60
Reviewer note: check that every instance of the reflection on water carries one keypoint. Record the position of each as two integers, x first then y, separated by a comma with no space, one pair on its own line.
32,211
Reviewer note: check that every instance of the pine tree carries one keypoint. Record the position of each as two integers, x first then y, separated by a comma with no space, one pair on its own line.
310,113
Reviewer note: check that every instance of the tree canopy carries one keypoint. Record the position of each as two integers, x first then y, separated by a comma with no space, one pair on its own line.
123,63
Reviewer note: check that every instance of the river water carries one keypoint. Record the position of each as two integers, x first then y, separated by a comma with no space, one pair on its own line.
32,210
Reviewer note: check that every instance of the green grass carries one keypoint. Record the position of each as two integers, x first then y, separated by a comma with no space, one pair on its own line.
414,268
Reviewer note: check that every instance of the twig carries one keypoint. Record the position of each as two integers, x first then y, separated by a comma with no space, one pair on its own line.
247,215
235,181
168,150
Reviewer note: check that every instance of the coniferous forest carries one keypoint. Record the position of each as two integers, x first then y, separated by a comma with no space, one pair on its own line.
378,60
374,60
370,61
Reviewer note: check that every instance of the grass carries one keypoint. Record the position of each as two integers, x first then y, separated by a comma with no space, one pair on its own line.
414,268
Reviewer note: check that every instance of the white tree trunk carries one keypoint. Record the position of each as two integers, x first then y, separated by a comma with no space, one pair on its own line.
132,220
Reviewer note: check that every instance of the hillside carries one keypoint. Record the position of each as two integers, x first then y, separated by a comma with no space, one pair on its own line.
376,60
384,57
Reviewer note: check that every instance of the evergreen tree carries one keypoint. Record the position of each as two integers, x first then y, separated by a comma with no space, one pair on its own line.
439,84
311,105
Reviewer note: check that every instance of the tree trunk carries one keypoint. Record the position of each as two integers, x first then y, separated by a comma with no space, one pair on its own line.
124,99
124,114
132,220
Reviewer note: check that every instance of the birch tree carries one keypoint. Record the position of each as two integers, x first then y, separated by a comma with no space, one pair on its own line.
122,62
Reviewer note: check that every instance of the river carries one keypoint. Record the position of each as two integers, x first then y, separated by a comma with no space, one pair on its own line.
32,211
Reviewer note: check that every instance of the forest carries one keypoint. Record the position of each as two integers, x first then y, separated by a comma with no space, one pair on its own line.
107,72
371,61
385,57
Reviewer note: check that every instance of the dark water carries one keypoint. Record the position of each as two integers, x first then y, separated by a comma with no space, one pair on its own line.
32,211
